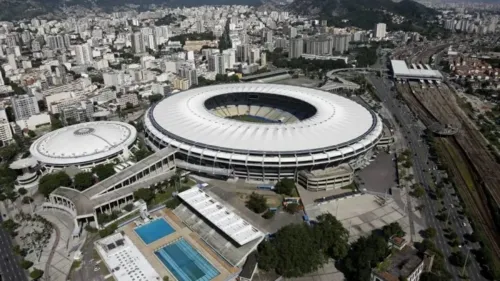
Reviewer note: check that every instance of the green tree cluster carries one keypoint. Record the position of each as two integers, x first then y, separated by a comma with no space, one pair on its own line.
83,180
285,187
298,249
145,194
257,203
36,273
108,230
50,182
225,40
155,98
104,171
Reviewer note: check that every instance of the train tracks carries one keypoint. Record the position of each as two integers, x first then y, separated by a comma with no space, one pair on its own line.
438,104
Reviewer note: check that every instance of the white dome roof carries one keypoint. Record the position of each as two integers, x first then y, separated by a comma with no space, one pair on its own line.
337,121
83,142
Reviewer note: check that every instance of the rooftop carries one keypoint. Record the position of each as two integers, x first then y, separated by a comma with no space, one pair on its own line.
228,222
124,260
420,71
83,142
401,263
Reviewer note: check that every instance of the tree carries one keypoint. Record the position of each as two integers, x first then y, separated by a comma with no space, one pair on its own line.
50,182
31,134
418,192
128,207
285,186
22,191
429,233
36,273
166,278
332,237
292,253
83,180
155,98
257,203
26,264
458,259
129,105
141,154
292,208
393,229
27,200
104,171
145,194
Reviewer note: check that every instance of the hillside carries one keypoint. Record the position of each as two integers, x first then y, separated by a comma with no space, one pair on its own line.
26,9
363,13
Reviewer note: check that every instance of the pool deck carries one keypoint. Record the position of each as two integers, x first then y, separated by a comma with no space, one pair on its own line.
181,231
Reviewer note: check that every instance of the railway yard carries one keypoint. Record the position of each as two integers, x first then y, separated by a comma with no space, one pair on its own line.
468,161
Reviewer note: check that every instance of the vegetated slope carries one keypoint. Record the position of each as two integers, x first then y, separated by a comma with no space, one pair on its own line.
26,9
363,13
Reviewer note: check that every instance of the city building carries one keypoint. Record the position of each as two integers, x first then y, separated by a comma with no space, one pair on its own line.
209,139
128,98
189,73
138,45
404,263
5,131
124,260
296,48
24,106
380,30
216,63
83,54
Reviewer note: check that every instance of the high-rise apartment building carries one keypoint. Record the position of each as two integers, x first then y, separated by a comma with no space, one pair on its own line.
83,54
5,131
189,73
380,30
24,106
242,52
138,45
296,47
216,63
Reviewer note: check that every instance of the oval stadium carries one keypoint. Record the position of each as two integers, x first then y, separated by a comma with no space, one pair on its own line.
84,145
263,131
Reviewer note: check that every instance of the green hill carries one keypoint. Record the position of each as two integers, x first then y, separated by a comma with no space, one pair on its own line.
363,13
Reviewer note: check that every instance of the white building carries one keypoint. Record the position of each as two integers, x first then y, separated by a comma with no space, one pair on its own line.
24,106
380,30
34,121
5,131
83,54
124,260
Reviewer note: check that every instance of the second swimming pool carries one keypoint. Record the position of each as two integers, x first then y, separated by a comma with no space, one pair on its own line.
185,263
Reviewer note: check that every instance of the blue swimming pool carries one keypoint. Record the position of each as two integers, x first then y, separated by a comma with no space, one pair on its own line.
185,263
154,230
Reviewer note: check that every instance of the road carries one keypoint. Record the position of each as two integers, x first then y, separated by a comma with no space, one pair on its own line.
10,270
422,166
86,271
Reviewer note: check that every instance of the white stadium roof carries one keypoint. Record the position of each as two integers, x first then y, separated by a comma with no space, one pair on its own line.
337,121
228,222
401,70
83,142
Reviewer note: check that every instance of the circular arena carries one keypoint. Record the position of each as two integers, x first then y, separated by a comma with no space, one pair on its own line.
84,145
262,131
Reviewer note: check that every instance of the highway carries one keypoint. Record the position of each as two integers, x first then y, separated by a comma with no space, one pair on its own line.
422,166
10,270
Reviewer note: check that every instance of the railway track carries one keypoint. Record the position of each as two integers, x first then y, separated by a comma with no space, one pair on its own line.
439,104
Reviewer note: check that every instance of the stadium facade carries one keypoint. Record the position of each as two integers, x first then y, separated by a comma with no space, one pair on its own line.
262,131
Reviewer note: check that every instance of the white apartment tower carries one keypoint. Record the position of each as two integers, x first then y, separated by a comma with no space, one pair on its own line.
24,106
5,131
380,30
83,54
